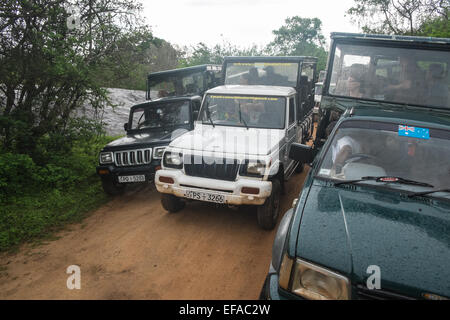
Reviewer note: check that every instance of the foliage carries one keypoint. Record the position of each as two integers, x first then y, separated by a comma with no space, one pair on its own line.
36,198
50,66
137,54
401,17
202,54
300,36
437,27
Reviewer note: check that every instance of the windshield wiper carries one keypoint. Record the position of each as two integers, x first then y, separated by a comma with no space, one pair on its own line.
387,179
418,194
240,117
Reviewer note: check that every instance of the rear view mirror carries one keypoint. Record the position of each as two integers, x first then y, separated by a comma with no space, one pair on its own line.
125,126
302,153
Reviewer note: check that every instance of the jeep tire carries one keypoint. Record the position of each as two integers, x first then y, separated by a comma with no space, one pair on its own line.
269,211
111,187
171,203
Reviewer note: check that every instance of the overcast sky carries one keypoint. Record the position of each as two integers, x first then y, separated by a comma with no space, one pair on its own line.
241,22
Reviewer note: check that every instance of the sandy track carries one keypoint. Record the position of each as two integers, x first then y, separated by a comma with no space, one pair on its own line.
132,249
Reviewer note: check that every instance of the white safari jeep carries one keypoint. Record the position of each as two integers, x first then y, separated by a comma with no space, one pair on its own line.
237,153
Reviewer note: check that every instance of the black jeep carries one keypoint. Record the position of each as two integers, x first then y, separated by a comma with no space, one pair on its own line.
150,128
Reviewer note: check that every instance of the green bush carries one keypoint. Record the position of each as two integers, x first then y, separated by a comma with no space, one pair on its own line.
18,174
38,198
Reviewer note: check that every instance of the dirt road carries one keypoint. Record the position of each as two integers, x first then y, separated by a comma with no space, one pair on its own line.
132,249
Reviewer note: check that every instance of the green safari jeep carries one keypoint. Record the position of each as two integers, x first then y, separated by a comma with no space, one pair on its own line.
373,218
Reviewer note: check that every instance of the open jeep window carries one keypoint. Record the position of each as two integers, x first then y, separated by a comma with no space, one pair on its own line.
376,149
398,75
244,111
176,85
161,116
262,73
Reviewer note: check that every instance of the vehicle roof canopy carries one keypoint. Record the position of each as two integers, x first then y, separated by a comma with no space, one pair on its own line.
182,71
184,81
270,59
270,70
387,71
167,100
253,90
393,38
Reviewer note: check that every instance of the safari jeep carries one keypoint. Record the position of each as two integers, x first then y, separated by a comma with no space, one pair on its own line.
373,218
237,153
296,72
150,128
183,81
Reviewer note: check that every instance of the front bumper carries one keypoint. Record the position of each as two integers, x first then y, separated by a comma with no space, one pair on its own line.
114,172
231,190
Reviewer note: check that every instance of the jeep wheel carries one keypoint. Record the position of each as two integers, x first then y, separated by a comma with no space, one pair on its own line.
111,187
268,212
171,203
299,168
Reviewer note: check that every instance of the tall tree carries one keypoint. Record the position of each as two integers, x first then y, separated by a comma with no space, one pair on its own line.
300,36
50,51
401,17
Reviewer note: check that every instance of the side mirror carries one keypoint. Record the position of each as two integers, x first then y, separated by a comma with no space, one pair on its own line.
302,153
125,126
195,115
318,92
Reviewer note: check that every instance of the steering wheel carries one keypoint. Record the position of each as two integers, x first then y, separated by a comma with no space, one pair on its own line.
358,155
142,124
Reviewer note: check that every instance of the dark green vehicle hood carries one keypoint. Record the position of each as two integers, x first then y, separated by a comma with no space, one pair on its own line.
349,228
144,139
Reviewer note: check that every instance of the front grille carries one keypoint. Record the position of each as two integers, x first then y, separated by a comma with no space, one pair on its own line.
212,168
378,294
133,157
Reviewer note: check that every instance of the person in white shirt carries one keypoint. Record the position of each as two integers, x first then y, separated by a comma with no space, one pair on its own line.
344,148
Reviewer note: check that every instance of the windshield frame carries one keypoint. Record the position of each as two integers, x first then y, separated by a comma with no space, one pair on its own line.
243,126
368,42
286,59
374,125
156,104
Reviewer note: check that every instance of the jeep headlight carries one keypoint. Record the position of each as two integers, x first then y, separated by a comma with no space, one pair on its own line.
313,282
254,168
106,157
173,160
158,152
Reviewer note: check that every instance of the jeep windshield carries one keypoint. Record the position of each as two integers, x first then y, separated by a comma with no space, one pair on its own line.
394,75
407,156
176,85
244,111
161,115
262,73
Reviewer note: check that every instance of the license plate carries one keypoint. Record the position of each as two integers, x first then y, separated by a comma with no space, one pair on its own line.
204,196
127,179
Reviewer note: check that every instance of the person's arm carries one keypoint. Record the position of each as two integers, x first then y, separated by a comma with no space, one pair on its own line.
342,155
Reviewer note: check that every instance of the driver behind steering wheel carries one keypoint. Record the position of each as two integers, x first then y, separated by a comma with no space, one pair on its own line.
342,150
